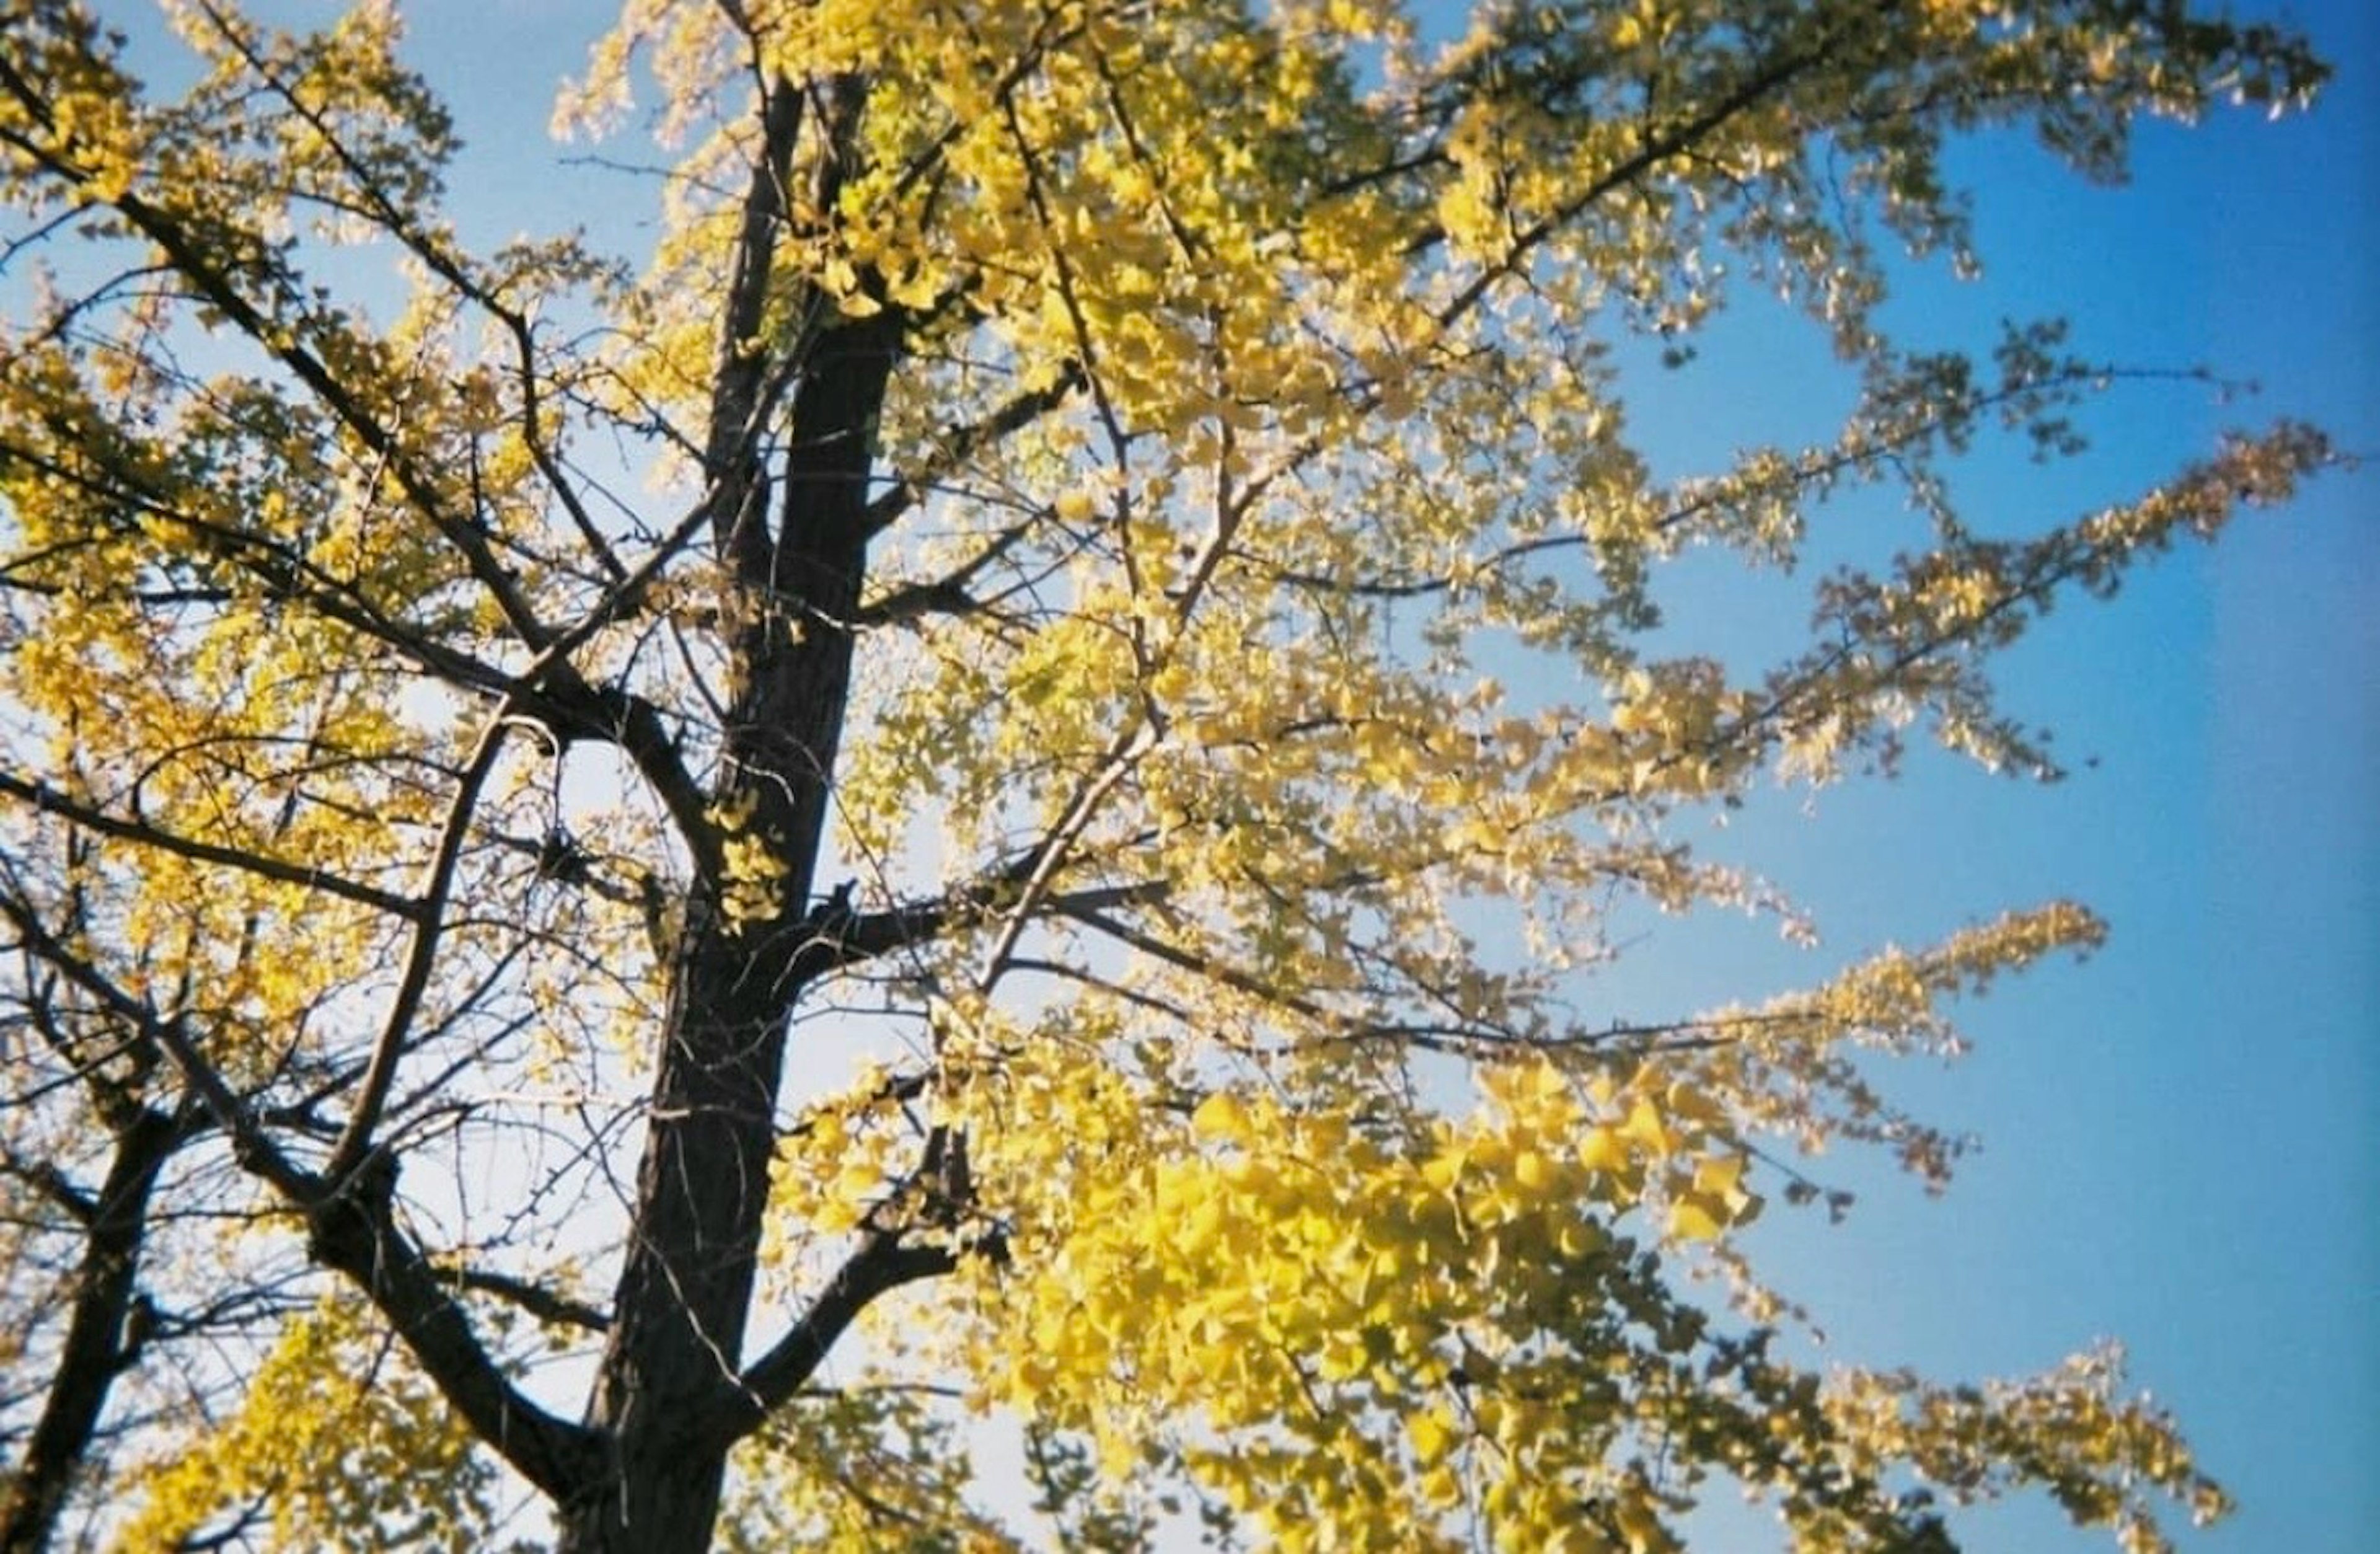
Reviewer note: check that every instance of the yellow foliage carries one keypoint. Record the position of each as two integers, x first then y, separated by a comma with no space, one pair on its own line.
345,1449
1139,633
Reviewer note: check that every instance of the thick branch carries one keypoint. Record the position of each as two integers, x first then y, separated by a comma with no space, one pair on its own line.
735,495
883,1263
547,1305
836,941
100,1339
354,1228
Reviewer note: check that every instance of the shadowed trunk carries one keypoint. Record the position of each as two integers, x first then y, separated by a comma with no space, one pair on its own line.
100,1337
667,1399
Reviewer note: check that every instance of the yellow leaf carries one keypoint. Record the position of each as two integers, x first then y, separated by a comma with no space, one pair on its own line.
1223,1119
1603,1149
1431,1435
1717,1175
1645,1128
1694,1217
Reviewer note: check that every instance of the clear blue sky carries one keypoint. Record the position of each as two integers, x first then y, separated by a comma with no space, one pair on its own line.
2186,1145
2180,1134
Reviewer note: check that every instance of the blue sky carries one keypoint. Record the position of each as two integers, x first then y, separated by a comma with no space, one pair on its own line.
2187,1154
2180,1135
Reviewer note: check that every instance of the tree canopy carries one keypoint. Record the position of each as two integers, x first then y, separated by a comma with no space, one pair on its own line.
995,791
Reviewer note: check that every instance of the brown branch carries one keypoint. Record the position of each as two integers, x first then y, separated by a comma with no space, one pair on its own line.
883,1263
285,573
45,1177
49,801
421,958
100,1339
1012,416
835,943
195,261
1654,151
353,1230
395,220
552,690
547,1305
739,400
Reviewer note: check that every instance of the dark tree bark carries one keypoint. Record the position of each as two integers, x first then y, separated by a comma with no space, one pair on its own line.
102,1339
670,1399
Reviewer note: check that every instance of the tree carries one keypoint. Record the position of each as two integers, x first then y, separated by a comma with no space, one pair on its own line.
934,753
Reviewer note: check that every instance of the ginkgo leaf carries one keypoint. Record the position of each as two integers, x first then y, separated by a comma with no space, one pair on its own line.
1696,1217
1009,781
1223,1118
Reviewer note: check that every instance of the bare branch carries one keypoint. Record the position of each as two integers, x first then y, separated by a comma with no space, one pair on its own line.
884,1262
100,1340
354,1230
49,801
546,1304
423,955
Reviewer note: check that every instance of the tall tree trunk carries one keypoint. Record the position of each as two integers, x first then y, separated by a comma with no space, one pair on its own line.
667,1390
